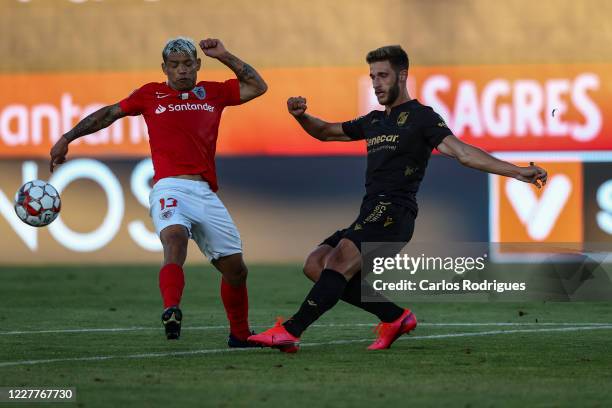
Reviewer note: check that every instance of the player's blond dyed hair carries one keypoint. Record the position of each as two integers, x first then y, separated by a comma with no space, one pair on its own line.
179,45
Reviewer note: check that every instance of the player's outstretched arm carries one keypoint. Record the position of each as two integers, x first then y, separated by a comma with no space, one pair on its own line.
476,158
315,127
100,119
252,84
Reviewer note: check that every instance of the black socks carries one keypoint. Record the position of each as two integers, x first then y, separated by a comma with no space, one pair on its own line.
331,287
324,295
377,304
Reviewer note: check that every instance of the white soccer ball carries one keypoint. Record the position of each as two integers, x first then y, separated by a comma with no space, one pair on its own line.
37,203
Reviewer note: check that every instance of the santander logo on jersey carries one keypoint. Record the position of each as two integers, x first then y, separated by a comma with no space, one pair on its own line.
179,107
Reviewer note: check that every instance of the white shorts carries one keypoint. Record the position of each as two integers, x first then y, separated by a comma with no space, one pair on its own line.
191,203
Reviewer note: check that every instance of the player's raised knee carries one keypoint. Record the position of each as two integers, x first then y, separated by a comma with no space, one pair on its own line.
312,269
315,262
345,258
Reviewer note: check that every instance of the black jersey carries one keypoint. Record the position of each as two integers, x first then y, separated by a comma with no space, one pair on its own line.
399,146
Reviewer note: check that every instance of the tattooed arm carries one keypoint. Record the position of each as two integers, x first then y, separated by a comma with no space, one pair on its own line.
251,83
98,120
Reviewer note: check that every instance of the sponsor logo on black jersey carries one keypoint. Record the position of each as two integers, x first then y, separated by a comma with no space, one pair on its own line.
402,118
373,141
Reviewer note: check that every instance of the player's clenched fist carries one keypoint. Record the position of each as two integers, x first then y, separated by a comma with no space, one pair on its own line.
296,105
58,153
212,47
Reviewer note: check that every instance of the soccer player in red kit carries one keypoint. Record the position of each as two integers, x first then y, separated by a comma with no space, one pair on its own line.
182,117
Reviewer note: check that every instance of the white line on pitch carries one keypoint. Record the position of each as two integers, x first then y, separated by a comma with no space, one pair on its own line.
127,329
336,342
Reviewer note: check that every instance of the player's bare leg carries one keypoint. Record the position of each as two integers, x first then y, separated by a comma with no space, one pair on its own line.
315,262
233,269
174,240
345,258
235,297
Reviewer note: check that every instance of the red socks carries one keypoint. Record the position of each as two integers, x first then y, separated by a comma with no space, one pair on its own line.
236,303
171,284
235,298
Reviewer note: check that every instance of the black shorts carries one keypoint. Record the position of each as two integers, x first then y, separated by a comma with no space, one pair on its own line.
378,221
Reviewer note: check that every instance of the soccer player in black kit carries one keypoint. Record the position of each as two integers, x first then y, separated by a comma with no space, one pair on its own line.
399,140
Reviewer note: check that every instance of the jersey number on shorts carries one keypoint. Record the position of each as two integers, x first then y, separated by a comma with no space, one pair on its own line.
167,203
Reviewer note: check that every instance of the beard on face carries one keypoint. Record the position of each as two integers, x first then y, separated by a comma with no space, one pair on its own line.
394,92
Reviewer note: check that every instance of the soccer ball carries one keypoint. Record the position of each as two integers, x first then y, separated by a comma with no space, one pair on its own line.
37,203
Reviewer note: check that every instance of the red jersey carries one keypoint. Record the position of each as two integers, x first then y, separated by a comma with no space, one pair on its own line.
183,125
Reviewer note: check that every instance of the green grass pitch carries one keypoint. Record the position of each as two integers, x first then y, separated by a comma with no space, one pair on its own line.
55,321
